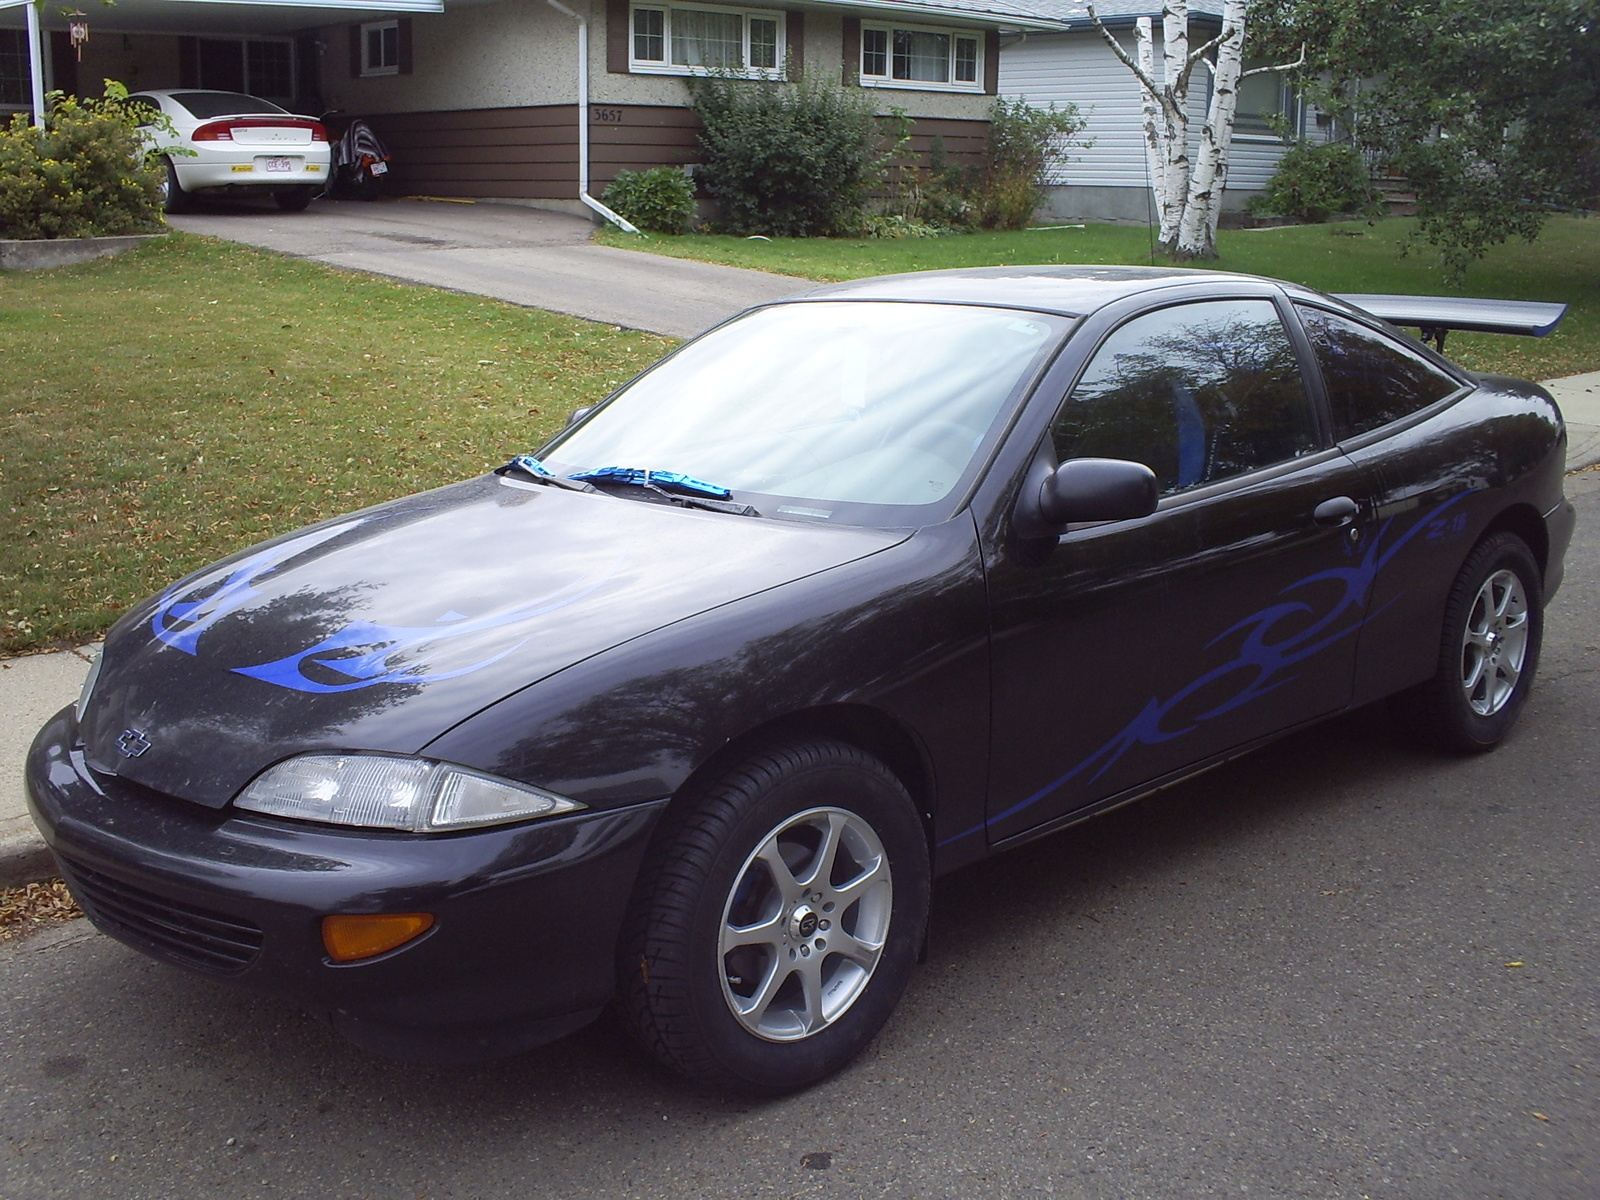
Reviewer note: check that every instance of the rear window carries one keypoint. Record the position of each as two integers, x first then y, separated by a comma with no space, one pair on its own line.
1371,379
224,104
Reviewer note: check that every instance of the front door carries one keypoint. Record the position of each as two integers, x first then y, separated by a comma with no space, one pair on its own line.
1132,650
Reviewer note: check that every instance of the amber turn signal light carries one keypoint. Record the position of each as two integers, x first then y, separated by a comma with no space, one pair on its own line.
357,936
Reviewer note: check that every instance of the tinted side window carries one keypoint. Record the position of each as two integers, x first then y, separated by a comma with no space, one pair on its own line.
1371,379
1196,392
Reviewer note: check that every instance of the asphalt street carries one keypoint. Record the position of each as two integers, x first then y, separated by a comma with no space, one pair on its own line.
1337,968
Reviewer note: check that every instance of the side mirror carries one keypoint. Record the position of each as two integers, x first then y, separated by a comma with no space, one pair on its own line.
578,414
1085,489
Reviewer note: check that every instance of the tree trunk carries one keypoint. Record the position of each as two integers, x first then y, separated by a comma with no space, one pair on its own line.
1197,234
1174,104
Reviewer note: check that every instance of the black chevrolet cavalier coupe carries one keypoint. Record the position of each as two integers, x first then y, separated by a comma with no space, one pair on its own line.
685,710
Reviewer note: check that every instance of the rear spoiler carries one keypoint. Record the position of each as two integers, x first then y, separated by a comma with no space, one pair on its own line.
1437,315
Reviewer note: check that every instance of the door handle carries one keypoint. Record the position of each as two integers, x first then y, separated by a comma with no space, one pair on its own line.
1341,510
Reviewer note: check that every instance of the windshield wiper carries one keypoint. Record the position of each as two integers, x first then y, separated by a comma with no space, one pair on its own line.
527,464
673,486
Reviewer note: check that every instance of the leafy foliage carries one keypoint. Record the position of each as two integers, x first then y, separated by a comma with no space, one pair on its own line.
788,159
660,199
1316,180
1489,108
88,173
1005,187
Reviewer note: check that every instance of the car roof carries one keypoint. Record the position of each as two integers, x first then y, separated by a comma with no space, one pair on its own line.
1072,291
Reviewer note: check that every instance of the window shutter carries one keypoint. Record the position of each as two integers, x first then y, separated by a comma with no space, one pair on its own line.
795,34
991,63
403,37
355,52
617,34
188,62
852,50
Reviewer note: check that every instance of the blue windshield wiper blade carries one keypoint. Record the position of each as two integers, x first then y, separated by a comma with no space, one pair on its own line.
527,464
673,486
666,480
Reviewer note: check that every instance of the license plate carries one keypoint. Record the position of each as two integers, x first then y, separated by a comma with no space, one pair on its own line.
379,168
279,164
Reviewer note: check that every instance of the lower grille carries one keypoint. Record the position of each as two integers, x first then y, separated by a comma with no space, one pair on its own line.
191,937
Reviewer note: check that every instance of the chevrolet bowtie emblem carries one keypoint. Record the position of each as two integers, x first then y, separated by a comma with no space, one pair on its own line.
133,743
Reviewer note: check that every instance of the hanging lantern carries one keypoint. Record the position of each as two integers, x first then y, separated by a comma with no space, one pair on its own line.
78,30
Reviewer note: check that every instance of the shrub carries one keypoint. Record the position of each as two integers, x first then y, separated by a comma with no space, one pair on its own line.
1002,191
1023,142
87,173
660,199
789,159
1315,180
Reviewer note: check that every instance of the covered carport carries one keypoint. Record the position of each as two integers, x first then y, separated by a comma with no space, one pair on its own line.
268,48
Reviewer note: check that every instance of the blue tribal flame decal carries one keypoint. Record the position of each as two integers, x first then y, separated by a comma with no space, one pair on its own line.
1264,663
179,619
383,642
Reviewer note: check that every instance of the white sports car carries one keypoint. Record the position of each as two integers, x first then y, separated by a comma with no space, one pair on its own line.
237,142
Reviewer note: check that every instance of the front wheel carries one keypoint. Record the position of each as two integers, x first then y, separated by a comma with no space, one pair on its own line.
1493,626
777,920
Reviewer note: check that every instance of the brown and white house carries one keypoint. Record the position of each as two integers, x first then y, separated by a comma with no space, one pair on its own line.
516,99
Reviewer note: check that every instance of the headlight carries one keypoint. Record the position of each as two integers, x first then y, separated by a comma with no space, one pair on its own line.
382,791
88,686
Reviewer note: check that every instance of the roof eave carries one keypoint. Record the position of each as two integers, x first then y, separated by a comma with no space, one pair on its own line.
946,13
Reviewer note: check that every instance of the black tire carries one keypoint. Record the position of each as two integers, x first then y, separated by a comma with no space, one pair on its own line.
1488,652
706,878
174,198
293,199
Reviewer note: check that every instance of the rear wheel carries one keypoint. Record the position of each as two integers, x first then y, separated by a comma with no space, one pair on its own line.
1493,626
777,920
293,199
173,198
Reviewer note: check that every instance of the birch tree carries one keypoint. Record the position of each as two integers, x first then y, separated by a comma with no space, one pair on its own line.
1188,196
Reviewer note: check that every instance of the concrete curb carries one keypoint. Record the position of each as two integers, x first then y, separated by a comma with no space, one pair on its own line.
38,253
35,687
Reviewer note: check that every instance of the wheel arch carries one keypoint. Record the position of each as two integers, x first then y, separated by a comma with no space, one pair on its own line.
868,729
1524,521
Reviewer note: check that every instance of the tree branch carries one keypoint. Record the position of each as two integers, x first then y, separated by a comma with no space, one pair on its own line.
1293,66
1116,47
1198,55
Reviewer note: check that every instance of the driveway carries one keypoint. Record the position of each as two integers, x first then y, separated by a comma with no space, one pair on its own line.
524,255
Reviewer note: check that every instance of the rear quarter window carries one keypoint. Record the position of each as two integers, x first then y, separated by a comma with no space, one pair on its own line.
1371,379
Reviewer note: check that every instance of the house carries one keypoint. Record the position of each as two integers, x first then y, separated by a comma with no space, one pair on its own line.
481,98
1109,180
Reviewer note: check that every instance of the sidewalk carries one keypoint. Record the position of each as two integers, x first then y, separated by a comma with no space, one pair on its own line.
34,687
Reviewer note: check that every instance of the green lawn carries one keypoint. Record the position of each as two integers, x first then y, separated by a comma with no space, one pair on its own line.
173,404
1564,265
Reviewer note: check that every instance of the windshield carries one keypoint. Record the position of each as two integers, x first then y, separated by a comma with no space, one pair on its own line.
225,104
862,412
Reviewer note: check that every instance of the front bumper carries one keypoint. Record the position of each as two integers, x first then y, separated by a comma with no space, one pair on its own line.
521,951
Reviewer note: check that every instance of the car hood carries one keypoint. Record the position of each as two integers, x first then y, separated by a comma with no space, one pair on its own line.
382,629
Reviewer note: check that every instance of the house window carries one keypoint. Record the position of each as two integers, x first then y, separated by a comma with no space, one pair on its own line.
673,40
946,60
15,83
380,48
1265,101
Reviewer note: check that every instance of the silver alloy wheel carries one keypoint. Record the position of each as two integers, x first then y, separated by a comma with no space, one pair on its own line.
1494,644
805,924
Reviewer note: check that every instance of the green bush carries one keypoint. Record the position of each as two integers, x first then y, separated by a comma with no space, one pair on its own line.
87,173
660,199
788,159
1003,189
1315,180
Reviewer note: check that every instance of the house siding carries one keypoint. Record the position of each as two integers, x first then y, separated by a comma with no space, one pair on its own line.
1110,179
